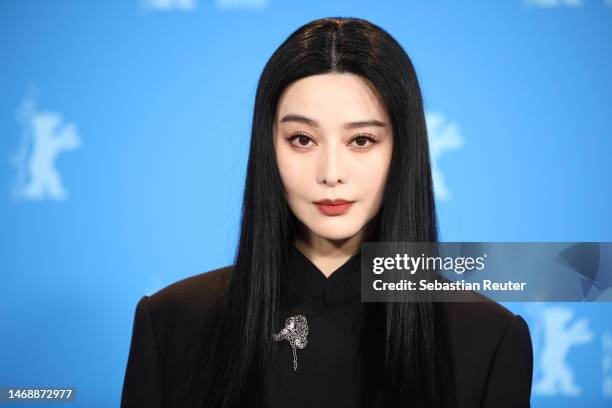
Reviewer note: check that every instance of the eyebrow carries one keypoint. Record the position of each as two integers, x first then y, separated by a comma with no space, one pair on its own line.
314,123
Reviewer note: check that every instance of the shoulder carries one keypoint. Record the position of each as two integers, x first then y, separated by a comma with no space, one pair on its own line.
193,296
479,329
480,317
180,310
166,324
492,352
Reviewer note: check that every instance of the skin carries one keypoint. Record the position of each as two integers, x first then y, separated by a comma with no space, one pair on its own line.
320,157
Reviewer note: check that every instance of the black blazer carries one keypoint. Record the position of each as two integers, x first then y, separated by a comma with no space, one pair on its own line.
491,347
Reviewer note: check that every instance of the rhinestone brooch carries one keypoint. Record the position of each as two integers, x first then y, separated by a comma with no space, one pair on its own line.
295,332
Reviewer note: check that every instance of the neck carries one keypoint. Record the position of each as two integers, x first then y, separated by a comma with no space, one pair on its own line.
328,254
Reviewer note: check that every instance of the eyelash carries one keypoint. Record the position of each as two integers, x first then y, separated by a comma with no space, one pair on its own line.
370,137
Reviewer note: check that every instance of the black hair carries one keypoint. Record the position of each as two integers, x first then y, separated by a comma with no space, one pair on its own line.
406,356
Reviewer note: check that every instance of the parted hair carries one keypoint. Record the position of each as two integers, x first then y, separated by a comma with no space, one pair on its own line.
404,345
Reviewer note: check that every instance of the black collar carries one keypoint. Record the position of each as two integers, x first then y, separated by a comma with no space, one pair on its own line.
310,284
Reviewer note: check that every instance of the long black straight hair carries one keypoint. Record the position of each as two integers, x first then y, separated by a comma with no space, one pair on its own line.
406,360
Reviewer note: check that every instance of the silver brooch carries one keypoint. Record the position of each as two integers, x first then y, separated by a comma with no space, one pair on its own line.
295,332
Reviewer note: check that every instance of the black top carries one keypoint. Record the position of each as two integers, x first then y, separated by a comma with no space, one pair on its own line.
490,346
329,362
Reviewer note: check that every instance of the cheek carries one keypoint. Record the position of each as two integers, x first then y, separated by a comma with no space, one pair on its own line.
293,173
371,175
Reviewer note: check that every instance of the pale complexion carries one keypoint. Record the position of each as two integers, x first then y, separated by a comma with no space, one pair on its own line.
333,139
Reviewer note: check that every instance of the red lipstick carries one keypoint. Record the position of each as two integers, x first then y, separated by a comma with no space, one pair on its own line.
333,207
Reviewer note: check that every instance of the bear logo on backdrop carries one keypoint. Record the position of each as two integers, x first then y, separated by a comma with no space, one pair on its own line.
443,137
556,333
44,136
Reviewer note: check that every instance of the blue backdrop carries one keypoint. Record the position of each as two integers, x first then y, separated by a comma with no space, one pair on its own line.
125,128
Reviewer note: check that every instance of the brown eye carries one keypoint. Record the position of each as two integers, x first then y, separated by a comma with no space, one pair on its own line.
362,140
302,140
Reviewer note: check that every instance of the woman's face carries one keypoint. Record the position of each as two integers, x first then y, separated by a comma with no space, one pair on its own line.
333,140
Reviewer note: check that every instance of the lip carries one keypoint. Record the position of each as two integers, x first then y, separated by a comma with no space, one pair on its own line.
333,207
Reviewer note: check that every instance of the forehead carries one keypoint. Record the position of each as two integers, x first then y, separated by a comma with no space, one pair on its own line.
332,98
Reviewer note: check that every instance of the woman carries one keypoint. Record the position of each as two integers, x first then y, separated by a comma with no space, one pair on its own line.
338,116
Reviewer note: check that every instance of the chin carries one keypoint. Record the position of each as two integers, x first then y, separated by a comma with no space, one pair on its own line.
335,232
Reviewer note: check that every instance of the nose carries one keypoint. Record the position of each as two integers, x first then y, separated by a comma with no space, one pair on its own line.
331,166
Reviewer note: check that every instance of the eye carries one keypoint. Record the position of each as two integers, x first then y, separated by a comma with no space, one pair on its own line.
302,140
362,140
